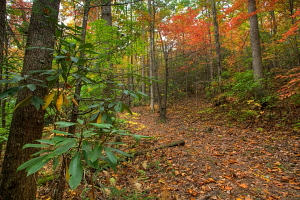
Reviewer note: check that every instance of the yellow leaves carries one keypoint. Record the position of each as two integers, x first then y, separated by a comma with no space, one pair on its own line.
67,174
48,100
98,120
60,99
59,102
75,102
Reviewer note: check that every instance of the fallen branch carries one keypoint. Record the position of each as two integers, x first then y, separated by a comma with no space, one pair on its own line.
173,144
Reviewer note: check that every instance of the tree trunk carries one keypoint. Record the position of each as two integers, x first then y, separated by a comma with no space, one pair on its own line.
106,12
2,41
217,39
28,122
256,48
151,52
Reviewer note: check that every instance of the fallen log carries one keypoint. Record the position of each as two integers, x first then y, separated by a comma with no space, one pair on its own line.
173,144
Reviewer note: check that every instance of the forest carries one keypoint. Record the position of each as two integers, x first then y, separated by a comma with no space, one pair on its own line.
149,99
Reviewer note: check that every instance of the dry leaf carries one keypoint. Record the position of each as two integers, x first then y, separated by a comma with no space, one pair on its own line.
243,185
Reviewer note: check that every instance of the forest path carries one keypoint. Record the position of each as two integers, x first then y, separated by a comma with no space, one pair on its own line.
219,160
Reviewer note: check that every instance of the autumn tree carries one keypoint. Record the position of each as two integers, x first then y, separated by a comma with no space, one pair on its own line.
255,46
28,121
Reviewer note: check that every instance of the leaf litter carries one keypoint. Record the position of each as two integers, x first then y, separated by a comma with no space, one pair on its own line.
218,161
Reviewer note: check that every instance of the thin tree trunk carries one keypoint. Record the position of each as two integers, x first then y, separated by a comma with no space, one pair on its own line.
151,52
2,42
217,39
256,48
28,122
106,12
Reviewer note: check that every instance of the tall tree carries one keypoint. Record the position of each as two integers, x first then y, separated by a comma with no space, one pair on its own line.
217,38
255,46
2,41
28,121
106,12
151,13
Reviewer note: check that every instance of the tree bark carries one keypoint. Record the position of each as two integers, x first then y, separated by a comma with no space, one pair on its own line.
256,48
217,39
151,51
106,12
28,122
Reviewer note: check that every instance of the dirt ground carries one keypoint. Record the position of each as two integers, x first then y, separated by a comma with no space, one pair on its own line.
218,161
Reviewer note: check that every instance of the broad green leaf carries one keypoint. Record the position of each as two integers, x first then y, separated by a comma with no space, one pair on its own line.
31,87
65,147
76,171
37,166
122,152
126,107
37,102
85,46
61,132
110,155
108,126
24,102
10,91
60,57
32,162
95,154
41,152
80,121
119,107
74,59
65,124
51,78
35,145
86,146
55,162
46,141
94,116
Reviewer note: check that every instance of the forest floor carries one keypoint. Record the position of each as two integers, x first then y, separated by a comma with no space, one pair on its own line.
220,159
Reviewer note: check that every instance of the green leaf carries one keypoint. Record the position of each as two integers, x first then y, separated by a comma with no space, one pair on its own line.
37,166
95,154
65,124
35,145
86,146
60,57
61,132
110,155
41,152
74,59
46,142
126,107
10,91
31,162
37,102
119,107
76,171
31,87
51,78
24,102
55,162
122,152
85,46
108,126
80,121
65,147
